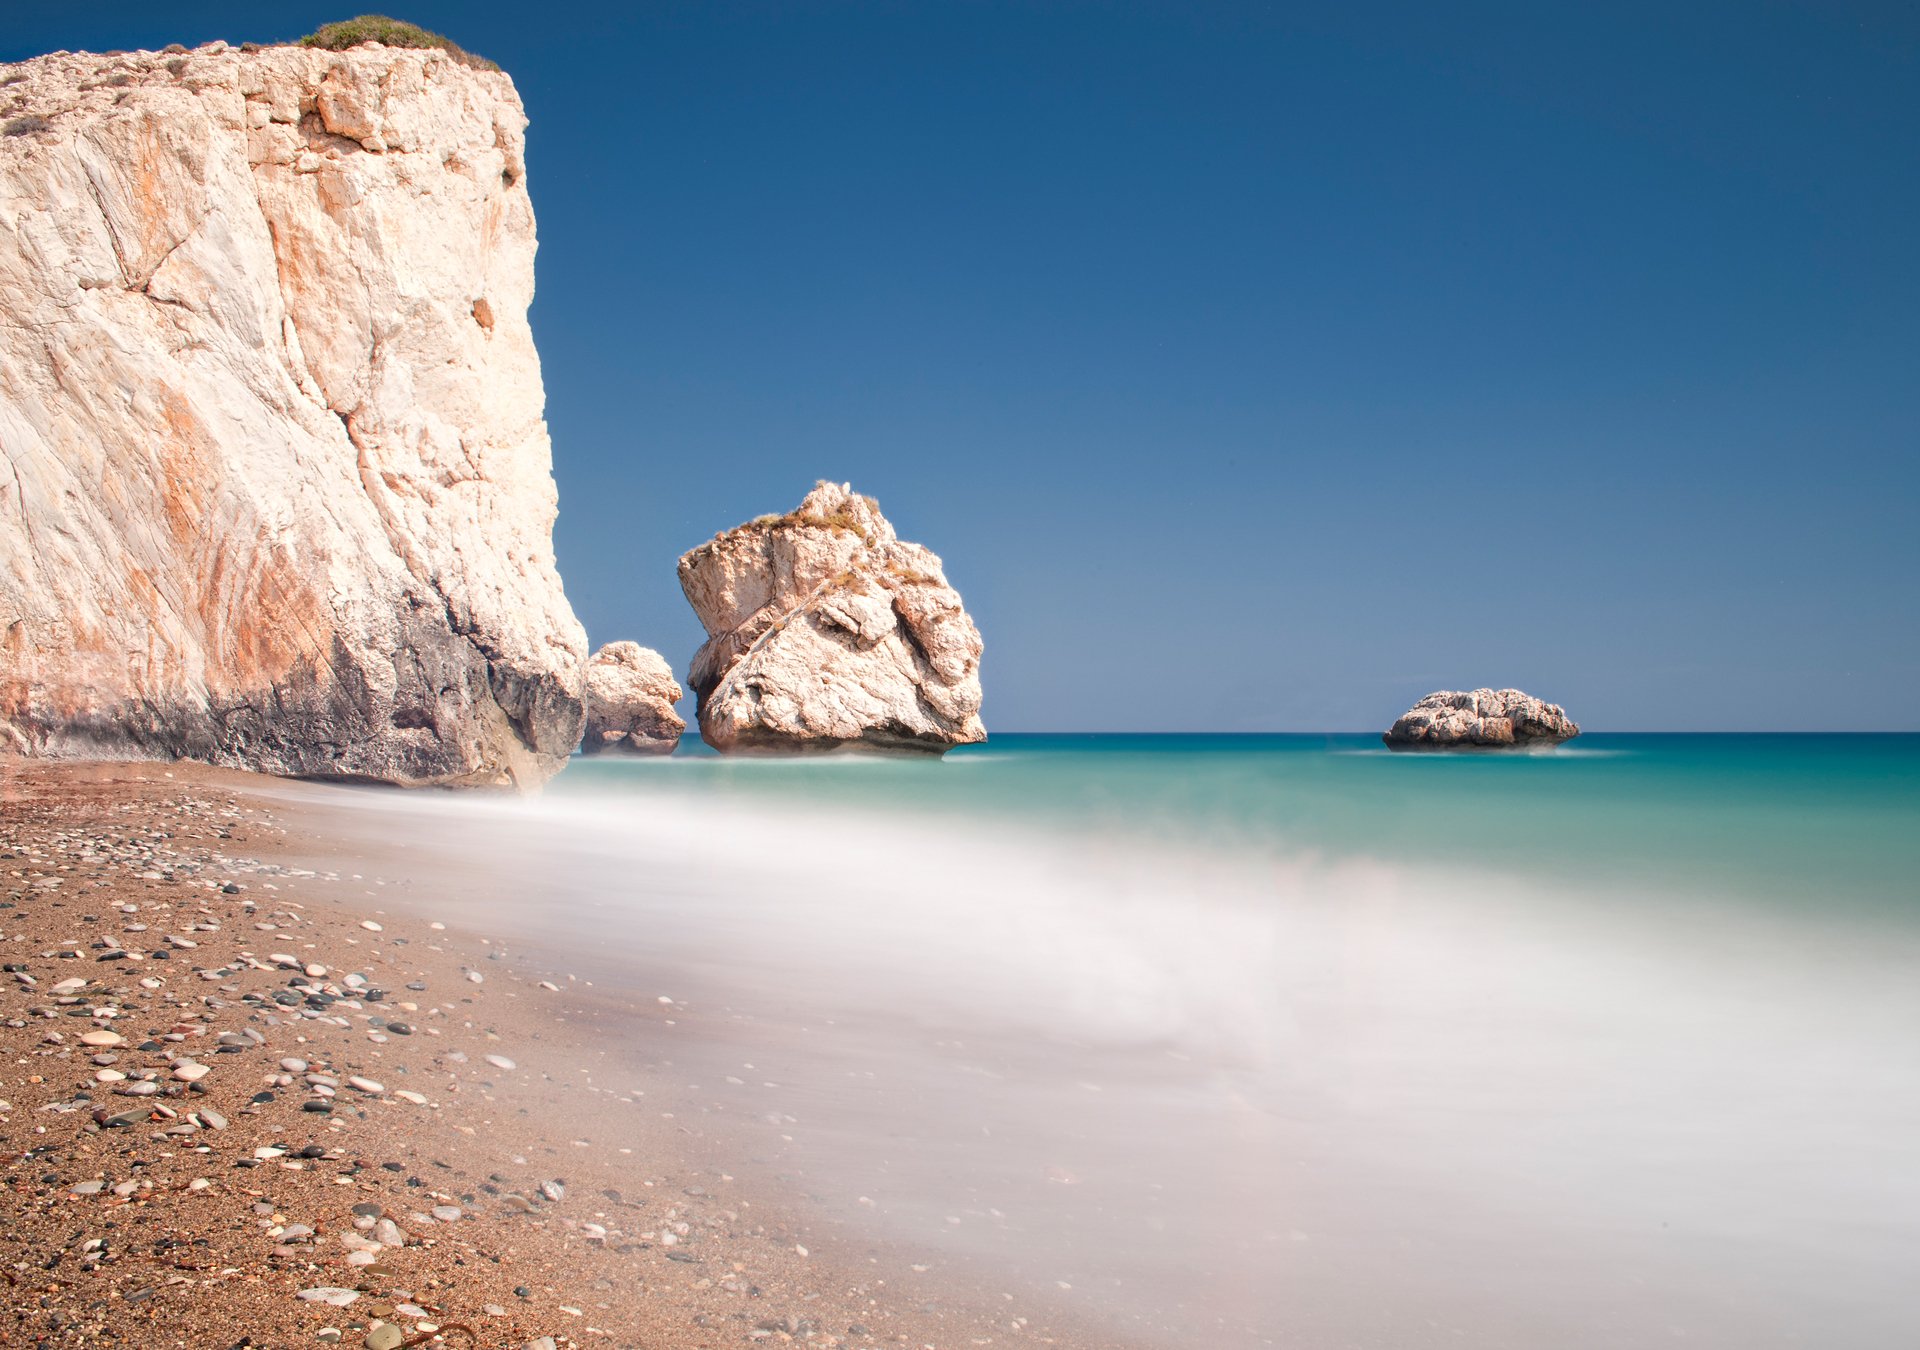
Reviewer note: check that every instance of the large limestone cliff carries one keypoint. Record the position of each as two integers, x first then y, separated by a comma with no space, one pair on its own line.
275,487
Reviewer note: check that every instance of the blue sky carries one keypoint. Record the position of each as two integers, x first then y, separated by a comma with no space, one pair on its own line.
1252,367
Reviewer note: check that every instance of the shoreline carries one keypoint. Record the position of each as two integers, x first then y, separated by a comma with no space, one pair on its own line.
481,1111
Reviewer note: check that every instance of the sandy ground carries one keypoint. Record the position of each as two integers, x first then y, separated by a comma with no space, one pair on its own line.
243,1105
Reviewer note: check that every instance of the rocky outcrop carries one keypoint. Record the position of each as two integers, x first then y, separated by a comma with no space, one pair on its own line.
630,696
1482,719
275,487
824,631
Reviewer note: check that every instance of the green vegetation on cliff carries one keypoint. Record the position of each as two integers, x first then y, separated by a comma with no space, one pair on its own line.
337,37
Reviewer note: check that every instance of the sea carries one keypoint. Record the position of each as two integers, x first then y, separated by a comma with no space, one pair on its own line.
1289,1040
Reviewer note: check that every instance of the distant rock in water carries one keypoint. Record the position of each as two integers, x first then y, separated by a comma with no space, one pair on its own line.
275,487
1483,719
824,631
630,696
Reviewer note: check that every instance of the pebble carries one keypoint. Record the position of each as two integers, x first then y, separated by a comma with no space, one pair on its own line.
371,926
501,1062
366,1085
102,1038
90,1188
446,1213
331,1295
292,1065
190,1072
408,1095
384,1336
476,977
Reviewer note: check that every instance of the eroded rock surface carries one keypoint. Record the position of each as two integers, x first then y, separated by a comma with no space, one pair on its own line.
825,631
630,694
275,487
1480,719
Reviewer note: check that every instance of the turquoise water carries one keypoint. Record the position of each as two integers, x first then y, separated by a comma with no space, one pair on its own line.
1252,1041
1814,819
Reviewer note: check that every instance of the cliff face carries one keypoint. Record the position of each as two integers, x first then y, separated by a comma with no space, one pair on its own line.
275,487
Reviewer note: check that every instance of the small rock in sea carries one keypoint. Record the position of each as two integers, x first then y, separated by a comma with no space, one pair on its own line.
406,1095
371,926
501,1062
476,977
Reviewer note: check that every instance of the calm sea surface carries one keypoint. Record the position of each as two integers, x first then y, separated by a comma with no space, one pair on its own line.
1287,1040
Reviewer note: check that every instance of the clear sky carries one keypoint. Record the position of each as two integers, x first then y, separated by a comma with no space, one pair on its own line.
1252,367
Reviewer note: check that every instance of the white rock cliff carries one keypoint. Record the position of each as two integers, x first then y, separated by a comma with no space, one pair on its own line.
825,632
275,487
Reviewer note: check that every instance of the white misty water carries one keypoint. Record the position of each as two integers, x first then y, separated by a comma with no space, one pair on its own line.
1246,1097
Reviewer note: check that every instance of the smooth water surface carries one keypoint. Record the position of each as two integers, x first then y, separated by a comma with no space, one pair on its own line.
1289,1040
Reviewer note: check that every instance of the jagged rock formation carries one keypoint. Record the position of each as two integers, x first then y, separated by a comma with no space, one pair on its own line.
630,696
275,487
1484,719
824,631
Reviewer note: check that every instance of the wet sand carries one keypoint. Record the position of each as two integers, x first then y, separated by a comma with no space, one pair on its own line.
250,1100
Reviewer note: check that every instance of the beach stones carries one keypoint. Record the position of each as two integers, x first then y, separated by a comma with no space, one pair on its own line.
331,1295
102,1038
501,1062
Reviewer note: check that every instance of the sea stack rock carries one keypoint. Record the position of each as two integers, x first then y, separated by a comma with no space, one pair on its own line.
275,487
824,632
1481,719
630,696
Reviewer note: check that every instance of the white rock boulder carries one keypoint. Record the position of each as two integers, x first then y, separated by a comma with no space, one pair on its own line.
630,695
275,487
1480,719
826,632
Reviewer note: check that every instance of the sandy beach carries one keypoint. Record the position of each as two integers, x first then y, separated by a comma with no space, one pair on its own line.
251,1102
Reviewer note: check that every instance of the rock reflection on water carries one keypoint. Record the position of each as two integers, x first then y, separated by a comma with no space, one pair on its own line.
1248,1100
